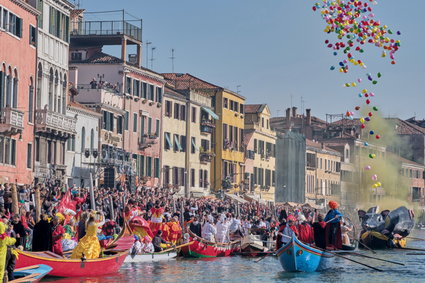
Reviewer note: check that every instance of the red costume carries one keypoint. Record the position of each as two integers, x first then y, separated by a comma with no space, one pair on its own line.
306,233
57,240
165,231
156,219
279,237
175,231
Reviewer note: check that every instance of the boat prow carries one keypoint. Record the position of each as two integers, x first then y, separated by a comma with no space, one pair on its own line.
31,274
296,256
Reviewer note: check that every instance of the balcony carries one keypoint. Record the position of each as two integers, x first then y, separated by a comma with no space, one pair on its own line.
147,141
56,123
207,126
206,156
250,154
11,121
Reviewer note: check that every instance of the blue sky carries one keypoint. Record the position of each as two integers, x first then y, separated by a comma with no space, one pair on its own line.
274,49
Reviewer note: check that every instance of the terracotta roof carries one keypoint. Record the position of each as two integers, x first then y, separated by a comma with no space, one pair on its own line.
173,92
319,145
101,58
402,127
81,106
253,108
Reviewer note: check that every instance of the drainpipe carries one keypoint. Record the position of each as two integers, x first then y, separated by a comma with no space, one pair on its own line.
187,152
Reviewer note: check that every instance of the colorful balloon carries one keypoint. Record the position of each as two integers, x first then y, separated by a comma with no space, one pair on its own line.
375,177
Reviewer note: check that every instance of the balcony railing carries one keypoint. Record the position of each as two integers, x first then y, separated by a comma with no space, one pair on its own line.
207,126
146,142
107,28
206,156
49,121
11,120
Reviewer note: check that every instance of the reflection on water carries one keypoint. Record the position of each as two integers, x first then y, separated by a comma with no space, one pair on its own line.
238,269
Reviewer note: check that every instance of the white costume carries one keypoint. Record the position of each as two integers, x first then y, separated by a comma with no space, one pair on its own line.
209,232
235,225
222,231
287,234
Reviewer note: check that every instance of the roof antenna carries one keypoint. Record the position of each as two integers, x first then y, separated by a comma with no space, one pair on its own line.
147,52
152,59
172,60
238,91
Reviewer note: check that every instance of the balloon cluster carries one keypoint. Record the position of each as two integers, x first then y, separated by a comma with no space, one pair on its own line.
355,26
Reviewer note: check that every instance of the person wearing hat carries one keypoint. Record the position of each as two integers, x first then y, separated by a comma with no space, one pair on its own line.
288,230
319,229
333,226
208,229
305,230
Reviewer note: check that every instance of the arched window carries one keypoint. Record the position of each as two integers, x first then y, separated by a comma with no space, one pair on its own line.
51,79
56,93
31,101
91,140
9,83
83,139
3,86
64,94
39,85
15,90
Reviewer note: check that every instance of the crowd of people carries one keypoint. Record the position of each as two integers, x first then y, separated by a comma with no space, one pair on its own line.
71,222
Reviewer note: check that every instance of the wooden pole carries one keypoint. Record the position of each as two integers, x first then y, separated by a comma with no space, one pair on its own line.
15,205
92,202
111,203
37,203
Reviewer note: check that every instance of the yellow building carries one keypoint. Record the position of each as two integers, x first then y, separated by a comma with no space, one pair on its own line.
260,157
323,174
227,166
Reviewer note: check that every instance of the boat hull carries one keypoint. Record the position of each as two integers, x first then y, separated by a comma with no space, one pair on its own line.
204,250
39,271
63,267
377,241
298,257
151,257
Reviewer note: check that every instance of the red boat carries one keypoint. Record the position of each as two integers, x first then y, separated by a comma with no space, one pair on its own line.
64,267
201,248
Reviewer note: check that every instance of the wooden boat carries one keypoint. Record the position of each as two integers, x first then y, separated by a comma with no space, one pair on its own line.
201,248
153,257
31,274
297,256
252,246
65,267
378,241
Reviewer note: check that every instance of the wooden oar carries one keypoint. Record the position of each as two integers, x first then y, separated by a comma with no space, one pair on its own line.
364,245
270,254
413,238
28,278
177,247
410,249
27,267
415,254
349,259
384,260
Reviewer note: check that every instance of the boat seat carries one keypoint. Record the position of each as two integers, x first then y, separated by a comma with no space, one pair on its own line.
48,254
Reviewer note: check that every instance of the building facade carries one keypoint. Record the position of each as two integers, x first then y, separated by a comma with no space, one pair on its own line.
260,154
52,126
18,55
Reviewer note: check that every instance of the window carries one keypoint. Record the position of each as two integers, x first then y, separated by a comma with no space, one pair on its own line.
205,144
262,122
175,176
142,125
168,108
192,178
83,139
235,106
176,111
127,117
119,124
183,143
241,108
167,143
31,104
7,151
40,17
268,178
128,85
134,122
33,36
205,179
177,146
225,141
166,175
201,178
91,140
59,24
156,168
144,90
159,95
193,115
193,145
37,149
225,103
14,25
157,128
29,155
183,112
149,126
152,92
136,88
149,166
231,105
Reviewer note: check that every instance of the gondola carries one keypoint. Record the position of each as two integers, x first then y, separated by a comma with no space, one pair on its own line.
30,274
151,257
65,267
378,241
296,256
201,248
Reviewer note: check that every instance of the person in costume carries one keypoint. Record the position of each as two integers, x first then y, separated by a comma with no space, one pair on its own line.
289,230
140,227
5,241
195,227
333,226
42,235
175,230
88,247
319,229
222,229
57,236
166,228
208,229
306,234
156,217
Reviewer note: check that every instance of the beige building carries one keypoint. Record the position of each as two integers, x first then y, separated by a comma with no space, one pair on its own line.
188,122
323,174
260,157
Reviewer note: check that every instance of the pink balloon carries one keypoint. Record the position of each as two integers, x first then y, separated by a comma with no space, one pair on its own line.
368,167
375,177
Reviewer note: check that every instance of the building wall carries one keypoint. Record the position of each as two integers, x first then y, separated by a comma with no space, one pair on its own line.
78,167
18,56
236,156
416,182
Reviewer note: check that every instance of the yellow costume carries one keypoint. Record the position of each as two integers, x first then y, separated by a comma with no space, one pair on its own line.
88,245
4,242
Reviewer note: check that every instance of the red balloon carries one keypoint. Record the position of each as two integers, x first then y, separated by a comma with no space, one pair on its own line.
370,114
378,137
367,101
363,126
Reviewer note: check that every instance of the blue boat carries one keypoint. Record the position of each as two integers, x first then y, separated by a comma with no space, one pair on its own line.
296,256
31,274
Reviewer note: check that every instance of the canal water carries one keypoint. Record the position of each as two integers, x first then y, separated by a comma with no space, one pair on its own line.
239,269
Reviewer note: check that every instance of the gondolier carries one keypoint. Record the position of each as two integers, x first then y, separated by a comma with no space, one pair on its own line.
333,227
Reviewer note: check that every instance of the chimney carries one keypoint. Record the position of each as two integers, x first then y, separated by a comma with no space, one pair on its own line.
294,111
288,117
308,116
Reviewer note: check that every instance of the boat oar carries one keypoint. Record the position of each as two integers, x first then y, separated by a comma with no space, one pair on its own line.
269,254
364,245
410,249
413,238
177,247
28,278
384,260
349,259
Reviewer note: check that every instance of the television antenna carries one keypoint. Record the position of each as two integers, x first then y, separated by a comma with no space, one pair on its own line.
172,60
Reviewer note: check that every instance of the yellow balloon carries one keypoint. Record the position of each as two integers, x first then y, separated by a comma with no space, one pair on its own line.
362,120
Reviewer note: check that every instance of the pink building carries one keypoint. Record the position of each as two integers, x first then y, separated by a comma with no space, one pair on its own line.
141,89
18,57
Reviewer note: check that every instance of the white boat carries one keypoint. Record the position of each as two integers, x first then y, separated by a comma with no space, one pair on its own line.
151,257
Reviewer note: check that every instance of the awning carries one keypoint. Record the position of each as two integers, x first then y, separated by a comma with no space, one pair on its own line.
210,112
176,140
167,138
236,198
